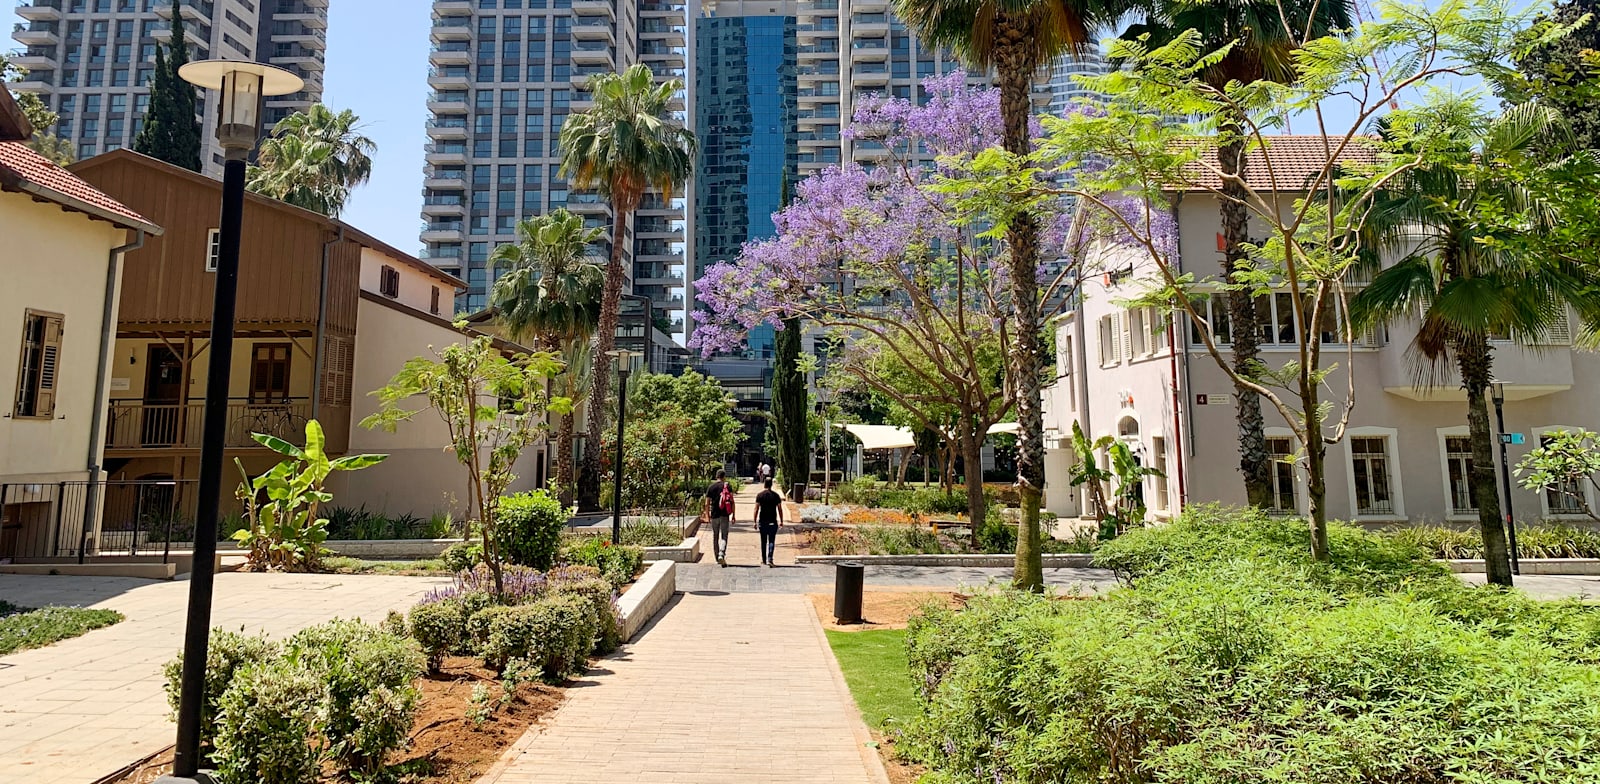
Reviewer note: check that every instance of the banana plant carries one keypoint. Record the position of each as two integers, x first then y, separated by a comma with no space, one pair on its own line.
1126,509
281,506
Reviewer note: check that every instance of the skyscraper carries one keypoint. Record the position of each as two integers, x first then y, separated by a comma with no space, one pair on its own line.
745,118
92,60
505,75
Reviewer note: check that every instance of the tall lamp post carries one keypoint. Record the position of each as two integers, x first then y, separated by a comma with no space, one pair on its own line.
624,364
1497,390
242,86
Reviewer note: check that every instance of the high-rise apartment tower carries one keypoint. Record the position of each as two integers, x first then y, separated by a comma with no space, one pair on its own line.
505,75
92,60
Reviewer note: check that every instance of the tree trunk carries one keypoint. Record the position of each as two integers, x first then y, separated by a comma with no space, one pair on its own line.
905,462
1476,365
1015,66
1254,462
972,452
565,463
600,373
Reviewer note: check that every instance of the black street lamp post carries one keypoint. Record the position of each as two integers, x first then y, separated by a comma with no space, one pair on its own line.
242,87
1498,391
624,361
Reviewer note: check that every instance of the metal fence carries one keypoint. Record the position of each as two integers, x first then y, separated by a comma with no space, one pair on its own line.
81,519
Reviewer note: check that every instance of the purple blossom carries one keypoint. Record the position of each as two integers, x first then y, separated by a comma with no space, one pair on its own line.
521,583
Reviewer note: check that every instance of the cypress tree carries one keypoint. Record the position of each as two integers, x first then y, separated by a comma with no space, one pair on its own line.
790,401
171,133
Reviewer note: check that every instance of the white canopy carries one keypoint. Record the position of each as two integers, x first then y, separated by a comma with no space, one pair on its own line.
1003,427
880,436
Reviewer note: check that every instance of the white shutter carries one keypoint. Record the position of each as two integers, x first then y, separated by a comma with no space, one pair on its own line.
1559,334
1125,331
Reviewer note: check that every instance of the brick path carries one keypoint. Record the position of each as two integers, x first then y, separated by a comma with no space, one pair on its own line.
85,707
734,689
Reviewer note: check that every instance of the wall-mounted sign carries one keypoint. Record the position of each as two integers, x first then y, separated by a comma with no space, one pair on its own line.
1213,400
121,384
1513,438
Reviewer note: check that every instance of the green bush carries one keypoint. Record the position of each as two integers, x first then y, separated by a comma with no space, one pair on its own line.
226,654
1534,541
899,540
265,720
463,557
529,528
868,492
1234,657
368,700
602,607
653,532
439,628
994,536
553,635
617,563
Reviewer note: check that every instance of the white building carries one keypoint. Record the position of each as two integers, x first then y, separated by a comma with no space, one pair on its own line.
1121,372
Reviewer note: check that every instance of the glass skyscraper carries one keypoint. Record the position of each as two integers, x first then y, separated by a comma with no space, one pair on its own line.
745,118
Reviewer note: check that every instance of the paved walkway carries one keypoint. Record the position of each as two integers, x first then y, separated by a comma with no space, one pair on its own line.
85,707
734,689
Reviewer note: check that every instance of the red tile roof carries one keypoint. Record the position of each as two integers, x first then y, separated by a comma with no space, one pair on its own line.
1294,161
24,171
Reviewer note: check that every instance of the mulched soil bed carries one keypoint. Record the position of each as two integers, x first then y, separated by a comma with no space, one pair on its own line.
447,747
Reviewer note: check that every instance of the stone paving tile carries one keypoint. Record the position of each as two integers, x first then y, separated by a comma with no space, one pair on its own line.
82,708
720,689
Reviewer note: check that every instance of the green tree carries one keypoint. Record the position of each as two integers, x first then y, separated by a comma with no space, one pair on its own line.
679,429
1467,287
1256,40
314,159
626,146
1563,72
547,294
493,407
53,147
171,130
791,405
1016,38
1565,462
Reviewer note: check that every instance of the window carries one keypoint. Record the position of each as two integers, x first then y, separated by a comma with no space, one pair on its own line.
269,373
41,355
213,249
1458,473
1566,498
1110,339
1138,333
1369,457
1158,458
433,304
1281,450
389,281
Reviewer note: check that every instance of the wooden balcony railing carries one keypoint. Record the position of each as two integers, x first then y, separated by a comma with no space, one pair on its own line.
135,424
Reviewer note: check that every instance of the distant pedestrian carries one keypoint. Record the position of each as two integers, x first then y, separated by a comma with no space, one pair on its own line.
761,472
720,510
769,517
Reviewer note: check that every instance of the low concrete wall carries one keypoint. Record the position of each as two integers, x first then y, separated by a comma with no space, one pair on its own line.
389,548
686,552
146,571
1552,566
1051,560
647,596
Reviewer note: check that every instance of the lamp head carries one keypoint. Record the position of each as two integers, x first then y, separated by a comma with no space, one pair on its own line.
1497,392
623,359
243,86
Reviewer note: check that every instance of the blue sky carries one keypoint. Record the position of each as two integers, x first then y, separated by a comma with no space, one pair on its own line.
378,67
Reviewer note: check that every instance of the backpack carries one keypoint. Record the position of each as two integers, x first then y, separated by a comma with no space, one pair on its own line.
725,502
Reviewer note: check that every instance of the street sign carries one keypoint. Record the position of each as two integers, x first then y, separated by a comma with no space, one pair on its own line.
1513,438
1213,400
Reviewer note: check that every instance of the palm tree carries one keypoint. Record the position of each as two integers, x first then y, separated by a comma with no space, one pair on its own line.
1016,38
1264,35
314,159
627,145
1464,287
549,295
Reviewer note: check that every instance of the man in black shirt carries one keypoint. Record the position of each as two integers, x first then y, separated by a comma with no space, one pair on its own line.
769,516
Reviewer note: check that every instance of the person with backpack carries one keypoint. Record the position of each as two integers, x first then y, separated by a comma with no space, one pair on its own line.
720,510
769,516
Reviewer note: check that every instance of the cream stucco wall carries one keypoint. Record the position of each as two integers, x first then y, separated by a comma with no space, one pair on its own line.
419,477
130,365
55,261
416,286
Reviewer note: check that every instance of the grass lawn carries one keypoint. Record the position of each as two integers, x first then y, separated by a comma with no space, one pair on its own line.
874,665
22,628
427,567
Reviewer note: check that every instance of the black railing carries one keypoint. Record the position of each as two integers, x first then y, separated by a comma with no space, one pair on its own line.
80,519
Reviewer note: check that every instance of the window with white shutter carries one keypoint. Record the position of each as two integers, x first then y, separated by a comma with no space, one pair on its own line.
39,366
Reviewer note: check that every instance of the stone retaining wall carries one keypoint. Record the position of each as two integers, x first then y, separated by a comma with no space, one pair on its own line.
647,596
1051,560
1549,566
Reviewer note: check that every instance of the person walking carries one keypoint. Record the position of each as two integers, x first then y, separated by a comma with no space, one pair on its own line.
720,511
769,517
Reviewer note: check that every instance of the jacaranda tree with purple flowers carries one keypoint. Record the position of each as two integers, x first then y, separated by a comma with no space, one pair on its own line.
912,293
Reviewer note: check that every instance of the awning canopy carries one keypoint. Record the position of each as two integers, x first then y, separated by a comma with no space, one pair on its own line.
1003,427
880,436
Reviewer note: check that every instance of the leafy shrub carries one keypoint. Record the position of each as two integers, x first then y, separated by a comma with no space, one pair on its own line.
602,599
837,541
553,634
653,532
571,573
368,700
226,654
994,536
1233,651
530,526
520,583
1535,541
617,563
1081,541
462,557
365,524
439,628
264,720
822,513
868,492
899,540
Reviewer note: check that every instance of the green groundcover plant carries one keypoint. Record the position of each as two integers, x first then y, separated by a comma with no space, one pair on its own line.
22,628
1233,657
